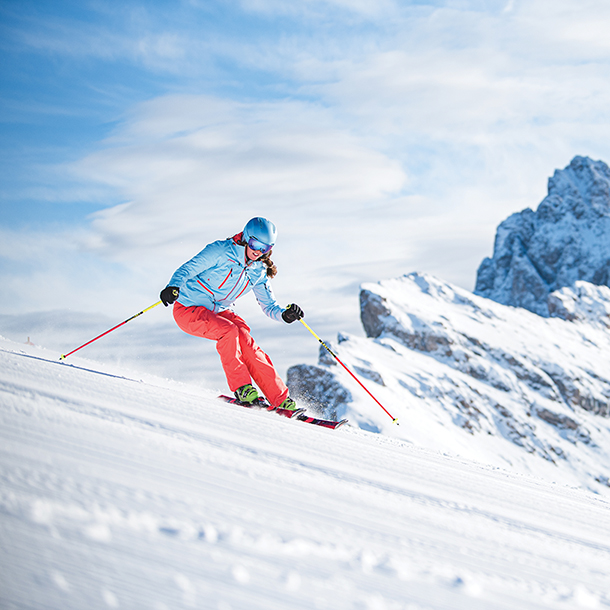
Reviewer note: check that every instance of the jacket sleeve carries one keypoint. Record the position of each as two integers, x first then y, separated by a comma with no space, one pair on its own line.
206,259
266,299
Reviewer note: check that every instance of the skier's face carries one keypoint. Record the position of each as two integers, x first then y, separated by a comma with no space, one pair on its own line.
253,255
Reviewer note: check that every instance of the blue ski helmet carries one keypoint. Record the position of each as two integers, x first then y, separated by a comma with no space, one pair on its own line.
260,234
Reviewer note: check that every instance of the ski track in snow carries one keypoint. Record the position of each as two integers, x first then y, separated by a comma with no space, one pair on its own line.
128,493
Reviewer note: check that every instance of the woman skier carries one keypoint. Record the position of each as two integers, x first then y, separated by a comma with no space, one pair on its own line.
203,291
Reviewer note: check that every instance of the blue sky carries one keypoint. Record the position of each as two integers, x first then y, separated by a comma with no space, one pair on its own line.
381,137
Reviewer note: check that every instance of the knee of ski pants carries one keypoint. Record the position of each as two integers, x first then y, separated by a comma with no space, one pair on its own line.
246,340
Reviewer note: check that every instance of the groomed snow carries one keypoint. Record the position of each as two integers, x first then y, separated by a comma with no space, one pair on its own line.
126,492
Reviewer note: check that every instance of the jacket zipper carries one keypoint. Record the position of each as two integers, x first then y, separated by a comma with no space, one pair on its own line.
237,283
223,281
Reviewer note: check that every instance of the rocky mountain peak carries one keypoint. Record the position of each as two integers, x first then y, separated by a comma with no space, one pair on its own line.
565,240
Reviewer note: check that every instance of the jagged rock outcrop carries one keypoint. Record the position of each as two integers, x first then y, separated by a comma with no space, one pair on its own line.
565,240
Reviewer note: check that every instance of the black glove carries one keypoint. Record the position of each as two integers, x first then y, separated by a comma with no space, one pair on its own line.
292,313
169,294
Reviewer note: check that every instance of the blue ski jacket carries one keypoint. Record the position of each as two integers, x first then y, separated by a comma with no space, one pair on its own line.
217,276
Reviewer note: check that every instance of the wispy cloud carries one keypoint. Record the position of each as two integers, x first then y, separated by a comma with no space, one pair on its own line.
317,8
190,165
160,50
153,36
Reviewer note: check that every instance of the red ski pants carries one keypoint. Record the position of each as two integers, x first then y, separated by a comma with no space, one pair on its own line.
242,359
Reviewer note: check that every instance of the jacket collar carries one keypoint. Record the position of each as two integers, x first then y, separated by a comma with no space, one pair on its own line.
241,250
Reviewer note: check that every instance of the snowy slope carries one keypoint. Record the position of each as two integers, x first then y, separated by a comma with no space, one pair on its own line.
470,376
129,492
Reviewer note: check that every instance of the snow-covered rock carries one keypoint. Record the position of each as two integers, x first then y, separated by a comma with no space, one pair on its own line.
582,302
565,240
468,375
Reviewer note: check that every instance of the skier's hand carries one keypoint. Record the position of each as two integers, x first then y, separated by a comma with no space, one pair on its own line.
292,313
169,294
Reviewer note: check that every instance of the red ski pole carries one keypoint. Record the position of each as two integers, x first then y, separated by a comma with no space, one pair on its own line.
64,356
394,420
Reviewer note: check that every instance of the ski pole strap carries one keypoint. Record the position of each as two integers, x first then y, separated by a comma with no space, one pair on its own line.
394,420
64,356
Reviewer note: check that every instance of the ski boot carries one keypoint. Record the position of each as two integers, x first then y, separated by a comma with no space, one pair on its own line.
289,409
289,405
247,394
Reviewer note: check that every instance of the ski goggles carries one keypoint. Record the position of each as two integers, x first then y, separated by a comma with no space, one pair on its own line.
258,245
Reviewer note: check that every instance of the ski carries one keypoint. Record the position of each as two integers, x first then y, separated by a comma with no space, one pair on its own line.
325,423
300,414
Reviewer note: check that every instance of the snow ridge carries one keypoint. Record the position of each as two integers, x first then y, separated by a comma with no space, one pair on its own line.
469,375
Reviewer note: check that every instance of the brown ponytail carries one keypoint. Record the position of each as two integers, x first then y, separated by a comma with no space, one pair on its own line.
271,268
